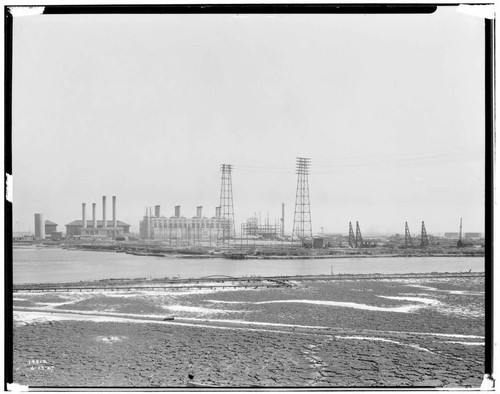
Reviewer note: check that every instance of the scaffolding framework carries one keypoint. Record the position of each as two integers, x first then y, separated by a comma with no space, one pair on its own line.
302,226
226,230
266,231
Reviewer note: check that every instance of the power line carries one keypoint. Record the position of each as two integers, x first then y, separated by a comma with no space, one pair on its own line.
339,163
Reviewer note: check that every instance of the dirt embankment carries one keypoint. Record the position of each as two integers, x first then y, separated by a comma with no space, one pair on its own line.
269,251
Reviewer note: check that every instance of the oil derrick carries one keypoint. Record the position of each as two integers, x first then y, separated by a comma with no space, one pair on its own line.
226,230
302,227
359,237
352,240
460,243
424,241
407,236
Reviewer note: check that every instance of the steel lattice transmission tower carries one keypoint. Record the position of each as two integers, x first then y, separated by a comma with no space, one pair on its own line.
424,241
302,227
407,236
226,230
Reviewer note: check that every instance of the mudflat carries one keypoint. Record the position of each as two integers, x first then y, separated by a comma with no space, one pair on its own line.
426,332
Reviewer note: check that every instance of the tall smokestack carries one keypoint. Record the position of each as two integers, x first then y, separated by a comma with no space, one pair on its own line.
84,219
177,211
157,211
104,211
198,211
114,211
217,212
94,221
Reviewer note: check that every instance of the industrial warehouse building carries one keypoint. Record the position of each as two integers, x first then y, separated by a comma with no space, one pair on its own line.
179,228
466,235
97,228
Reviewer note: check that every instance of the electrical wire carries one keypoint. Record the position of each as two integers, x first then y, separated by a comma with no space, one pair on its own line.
339,163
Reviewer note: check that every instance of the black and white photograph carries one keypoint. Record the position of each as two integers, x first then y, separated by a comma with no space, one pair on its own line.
249,196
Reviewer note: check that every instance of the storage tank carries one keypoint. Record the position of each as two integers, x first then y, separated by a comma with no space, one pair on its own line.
39,226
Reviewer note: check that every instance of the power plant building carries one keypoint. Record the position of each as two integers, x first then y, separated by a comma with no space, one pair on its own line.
473,235
50,227
97,228
179,228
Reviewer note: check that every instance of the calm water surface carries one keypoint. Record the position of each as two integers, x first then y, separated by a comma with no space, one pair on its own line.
42,265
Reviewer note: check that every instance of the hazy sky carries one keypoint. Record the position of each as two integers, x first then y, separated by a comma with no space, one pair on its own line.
390,108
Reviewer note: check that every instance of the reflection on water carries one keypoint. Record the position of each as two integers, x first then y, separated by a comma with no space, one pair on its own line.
44,265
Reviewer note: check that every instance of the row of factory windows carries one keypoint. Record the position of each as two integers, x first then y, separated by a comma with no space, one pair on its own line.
187,225
183,220
101,232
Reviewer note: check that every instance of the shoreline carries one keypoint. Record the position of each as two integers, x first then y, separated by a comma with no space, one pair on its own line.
226,281
268,252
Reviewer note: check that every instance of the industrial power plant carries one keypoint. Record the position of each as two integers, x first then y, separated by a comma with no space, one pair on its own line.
219,229
97,229
198,229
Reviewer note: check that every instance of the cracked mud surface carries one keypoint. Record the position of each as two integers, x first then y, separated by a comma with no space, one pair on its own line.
221,339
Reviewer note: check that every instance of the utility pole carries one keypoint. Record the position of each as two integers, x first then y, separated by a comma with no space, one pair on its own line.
302,227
